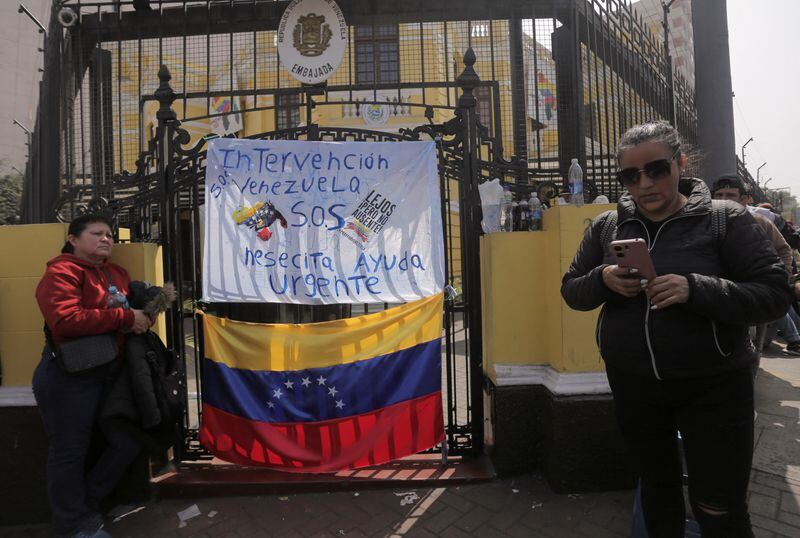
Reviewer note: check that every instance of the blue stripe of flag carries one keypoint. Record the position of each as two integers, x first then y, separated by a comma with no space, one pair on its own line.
324,393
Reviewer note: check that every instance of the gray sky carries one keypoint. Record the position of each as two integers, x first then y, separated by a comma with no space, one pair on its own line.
765,65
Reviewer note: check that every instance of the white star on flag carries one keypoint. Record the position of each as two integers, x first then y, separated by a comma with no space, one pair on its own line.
339,404
271,405
332,391
289,384
306,382
321,380
277,393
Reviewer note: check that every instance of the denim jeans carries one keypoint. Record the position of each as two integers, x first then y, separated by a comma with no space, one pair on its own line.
715,417
69,405
795,317
787,326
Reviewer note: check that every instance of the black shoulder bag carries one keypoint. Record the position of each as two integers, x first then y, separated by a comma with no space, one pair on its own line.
84,353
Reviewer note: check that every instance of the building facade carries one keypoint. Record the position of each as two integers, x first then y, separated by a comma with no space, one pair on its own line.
20,61
681,31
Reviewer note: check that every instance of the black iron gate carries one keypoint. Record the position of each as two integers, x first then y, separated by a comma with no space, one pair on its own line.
162,202
184,173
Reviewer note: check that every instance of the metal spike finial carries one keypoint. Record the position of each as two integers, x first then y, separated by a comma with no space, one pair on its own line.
468,80
469,57
164,76
165,95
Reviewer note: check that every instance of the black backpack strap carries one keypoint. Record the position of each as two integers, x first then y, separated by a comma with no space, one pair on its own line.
608,230
720,211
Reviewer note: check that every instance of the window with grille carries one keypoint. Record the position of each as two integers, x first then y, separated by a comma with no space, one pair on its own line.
287,111
377,54
483,94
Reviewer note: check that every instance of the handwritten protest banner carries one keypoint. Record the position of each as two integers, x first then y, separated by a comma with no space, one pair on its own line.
321,222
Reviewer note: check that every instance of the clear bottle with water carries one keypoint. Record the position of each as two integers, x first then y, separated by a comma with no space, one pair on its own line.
535,204
575,178
117,299
506,211
524,216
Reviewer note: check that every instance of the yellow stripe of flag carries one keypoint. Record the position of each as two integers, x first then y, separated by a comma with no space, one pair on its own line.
280,347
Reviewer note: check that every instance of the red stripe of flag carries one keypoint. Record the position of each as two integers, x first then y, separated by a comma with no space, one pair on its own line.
383,435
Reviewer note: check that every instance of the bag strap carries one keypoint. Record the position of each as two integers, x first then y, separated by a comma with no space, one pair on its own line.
720,211
107,275
608,229
48,337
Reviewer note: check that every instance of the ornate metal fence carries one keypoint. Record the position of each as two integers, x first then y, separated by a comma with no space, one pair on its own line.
563,79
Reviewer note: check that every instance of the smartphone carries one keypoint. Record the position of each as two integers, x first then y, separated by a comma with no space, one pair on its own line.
633,253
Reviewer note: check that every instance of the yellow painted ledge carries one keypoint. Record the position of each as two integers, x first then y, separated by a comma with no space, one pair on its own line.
525,320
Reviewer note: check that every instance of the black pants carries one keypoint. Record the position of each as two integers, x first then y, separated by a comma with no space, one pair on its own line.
715,418
69,407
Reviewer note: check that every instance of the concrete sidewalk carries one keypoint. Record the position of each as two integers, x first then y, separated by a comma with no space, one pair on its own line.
775,481
523,506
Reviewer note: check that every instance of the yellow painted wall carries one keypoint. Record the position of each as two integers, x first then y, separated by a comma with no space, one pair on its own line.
28,248
525,321
143,261
26,251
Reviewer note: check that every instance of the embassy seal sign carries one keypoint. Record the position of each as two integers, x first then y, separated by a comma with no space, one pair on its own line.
374,114
312,39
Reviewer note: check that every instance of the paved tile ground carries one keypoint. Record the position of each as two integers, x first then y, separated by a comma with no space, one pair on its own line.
521,507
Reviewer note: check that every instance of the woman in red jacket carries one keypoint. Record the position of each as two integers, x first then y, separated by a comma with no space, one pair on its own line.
73,297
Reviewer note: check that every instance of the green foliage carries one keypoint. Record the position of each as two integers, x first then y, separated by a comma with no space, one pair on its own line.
10,197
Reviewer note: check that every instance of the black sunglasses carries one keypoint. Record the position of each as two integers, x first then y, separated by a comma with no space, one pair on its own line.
655,170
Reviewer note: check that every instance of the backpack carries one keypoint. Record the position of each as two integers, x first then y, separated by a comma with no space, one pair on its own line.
720,211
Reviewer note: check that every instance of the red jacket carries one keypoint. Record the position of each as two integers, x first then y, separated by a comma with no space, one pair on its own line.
73,298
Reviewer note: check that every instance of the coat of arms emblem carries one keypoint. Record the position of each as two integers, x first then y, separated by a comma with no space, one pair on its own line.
312,35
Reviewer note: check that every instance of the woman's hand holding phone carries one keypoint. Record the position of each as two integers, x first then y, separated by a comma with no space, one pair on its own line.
625,281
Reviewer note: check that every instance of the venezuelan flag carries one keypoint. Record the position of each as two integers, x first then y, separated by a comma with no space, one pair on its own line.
322,397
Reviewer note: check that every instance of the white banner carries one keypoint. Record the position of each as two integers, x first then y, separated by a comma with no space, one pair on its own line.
322,222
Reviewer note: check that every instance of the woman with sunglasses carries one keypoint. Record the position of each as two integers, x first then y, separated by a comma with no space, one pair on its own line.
676,348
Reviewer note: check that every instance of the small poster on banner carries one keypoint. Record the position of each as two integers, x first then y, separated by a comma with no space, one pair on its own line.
369,218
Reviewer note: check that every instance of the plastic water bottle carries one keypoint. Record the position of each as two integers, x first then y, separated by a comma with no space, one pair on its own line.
523,224
575,178
535,204
117,299
506,214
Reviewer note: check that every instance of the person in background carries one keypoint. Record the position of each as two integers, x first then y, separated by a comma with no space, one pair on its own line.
677,350
731,187
73,297
789,233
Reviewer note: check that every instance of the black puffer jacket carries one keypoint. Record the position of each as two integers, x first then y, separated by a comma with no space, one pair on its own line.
133,394
732,285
